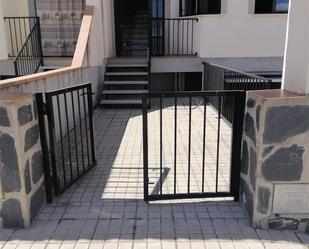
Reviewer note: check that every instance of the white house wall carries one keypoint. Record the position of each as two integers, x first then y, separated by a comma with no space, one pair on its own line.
237,32
296,65
3,40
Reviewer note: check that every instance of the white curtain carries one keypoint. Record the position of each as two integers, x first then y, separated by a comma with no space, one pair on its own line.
60,24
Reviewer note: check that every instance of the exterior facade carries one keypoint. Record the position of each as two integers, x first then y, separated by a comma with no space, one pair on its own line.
131,50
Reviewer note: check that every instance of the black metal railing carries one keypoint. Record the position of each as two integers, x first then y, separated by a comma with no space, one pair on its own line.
218,78
25,44
188,129
173,36
67,136
18,29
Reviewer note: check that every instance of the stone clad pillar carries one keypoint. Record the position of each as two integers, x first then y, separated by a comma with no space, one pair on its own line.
275,160
21,170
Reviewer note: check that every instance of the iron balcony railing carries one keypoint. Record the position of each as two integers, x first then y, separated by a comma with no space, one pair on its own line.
173,36
220,78
25,44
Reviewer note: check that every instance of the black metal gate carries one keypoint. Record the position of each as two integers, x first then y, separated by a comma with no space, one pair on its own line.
67,136
195,151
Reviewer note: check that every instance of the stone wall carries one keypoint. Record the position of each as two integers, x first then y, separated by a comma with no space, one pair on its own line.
21,169
275,160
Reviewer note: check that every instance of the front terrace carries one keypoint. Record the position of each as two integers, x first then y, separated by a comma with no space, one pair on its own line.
105,208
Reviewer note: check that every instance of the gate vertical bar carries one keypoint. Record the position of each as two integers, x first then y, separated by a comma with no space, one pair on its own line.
238,119
175,145
218,141
204,146
189,146
161,145
90,107
51,132
46,166
145,145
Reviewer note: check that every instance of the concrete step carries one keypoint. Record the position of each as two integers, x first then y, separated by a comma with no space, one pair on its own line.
127,65
124,92
121,102
126,73
127,60
119,82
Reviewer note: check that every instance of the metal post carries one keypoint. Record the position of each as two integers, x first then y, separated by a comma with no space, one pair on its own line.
238,118
46,166
145,146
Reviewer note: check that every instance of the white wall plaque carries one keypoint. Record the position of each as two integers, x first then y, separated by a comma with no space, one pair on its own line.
291,199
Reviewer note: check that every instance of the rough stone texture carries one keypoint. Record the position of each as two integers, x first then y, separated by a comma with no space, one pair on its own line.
36,202
250,103
284,122
263,201
257,117
307,229
10,178
4,118
27,178
253,162
283,224
24,114
11,214
35,111
286,164
267,150
31,137
250,128
36,167
248,197
245,158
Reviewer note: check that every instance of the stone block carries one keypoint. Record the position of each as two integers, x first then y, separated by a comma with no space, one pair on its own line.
286,164
284,122
36,167
253,163
36,202
10,178
257,117
250,128
27,178
11,214
263,200
4,118
31,137
283,224
245,158
248,201
24,114
250,103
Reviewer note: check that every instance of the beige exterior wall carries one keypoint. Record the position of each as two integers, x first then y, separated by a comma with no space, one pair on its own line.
3,41
15,7
237,32
296,64
10,8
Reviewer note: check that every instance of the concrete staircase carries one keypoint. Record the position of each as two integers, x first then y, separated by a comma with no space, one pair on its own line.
125,81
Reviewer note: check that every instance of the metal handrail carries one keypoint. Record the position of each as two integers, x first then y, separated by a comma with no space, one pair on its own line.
238,71
172,36
30,56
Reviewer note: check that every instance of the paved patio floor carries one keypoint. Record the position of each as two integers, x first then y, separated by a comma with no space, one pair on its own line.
105,208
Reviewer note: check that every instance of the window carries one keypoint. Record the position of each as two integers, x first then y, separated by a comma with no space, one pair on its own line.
199,7
271,6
